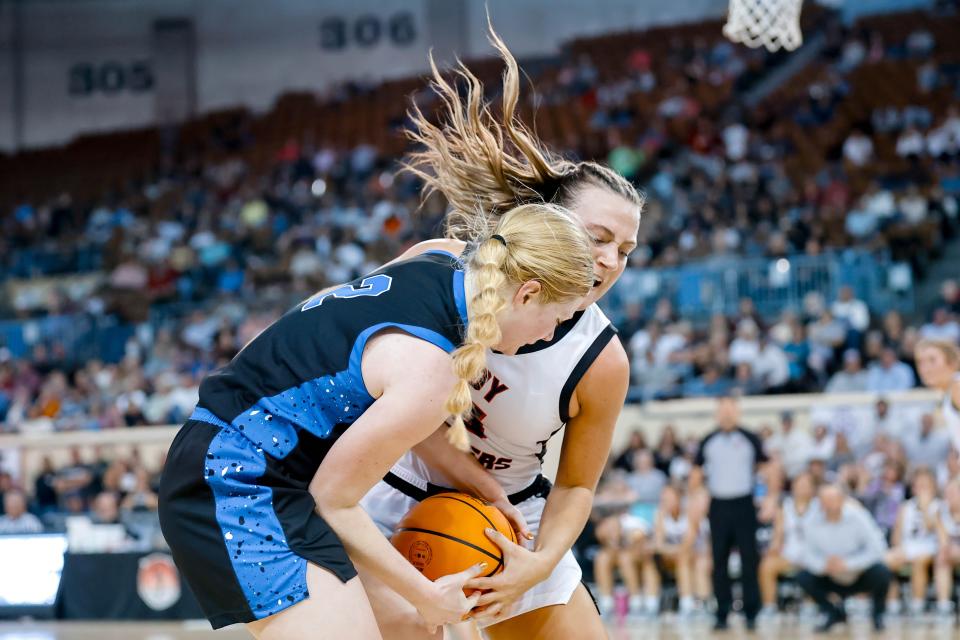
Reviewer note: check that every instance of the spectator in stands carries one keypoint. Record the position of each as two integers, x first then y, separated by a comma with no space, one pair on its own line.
911,143
797,351
646,480
825,336
711,384
786,551
843,555
105,508
16,518
668,449
884,422
950,296
142,497
948,547
858,149
854,312
889,374
44,493
824,443
941,327
771,366
637,443
76,478
842,457
883,495
926,444
914,540
852,378
792,446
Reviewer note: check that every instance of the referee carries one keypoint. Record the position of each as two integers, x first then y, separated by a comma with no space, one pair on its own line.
729,455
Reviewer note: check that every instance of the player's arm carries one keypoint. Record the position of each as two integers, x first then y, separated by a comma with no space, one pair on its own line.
586,446
776,541
659,535
466,474
411,380
896,537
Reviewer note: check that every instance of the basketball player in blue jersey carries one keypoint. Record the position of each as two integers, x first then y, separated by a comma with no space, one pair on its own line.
259,495
579,378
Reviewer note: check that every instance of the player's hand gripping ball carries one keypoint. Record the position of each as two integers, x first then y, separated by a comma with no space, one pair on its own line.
444,534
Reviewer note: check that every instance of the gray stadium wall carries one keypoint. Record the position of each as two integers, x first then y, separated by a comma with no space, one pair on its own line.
92,65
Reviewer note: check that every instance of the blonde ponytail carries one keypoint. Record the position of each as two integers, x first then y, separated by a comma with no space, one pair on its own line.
531,242
484,164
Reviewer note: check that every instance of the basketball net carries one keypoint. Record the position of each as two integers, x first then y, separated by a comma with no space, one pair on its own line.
771,23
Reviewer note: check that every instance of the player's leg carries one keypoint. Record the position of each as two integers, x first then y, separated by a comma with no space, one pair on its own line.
684,574
334,610
919,580
627,561
608,535
943,582
771,567
702,585
895,561
576,620
651,580
603,568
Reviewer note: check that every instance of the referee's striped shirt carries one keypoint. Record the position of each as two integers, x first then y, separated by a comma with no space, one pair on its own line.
728,459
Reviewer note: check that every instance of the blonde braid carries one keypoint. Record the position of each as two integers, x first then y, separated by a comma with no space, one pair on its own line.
470,360
533,242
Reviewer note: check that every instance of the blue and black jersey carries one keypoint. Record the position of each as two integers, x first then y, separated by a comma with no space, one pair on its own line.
301,376
235,506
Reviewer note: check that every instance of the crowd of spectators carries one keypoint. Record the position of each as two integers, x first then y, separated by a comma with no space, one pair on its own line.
836,346
219,249
98,487
890,472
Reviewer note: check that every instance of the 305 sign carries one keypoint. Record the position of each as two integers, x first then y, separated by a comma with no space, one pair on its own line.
109,78
367,31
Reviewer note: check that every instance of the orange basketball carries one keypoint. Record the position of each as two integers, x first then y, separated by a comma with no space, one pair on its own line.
444,535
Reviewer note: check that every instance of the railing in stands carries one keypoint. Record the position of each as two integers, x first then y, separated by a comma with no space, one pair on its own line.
701,289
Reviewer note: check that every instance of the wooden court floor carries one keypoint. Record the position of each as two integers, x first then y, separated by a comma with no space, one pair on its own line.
657,629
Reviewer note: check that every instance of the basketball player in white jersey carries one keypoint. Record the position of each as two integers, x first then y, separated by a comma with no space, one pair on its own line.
938,363
674,545
948,555
914,541
786,551
578,379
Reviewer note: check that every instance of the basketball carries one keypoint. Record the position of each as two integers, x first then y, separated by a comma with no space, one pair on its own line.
444,535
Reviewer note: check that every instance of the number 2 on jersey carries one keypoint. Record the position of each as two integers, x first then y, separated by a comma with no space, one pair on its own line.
372,286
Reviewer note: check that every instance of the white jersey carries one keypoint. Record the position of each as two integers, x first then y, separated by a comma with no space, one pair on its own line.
914,529
674,529
522,402
793,522
951,415
951,525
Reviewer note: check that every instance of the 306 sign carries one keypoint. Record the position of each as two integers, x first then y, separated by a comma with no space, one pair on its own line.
337,33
